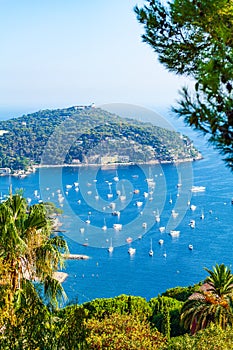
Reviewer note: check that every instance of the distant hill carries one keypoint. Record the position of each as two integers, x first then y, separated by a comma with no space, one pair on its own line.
87,135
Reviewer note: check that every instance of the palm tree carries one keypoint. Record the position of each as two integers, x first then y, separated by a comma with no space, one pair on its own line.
29,253
213,303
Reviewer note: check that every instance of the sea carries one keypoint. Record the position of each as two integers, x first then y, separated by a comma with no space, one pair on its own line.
145,204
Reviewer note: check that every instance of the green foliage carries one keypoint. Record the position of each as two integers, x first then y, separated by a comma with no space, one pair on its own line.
212,338
70,330
123,304
32,325
61,136
166,315
119,332
181,293
28,252
51,209
194,38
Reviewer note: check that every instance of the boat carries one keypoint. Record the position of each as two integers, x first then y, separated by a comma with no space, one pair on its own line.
129,239
202,215
116,213
192,223
131,251
110,248
110,194
104,227
157,217
117,227
144,225
161,241
151,253
174,233
174,214
190,247
116,178
139,204
162,229
198,189
170,200
88,221
179,184
145,194
136,191
193,207
81,229
122,195
122,198
112,205
68,187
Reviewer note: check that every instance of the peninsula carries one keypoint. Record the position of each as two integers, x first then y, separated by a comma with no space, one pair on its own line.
84,135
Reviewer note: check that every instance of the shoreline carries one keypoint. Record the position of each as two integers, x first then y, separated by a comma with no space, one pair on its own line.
112,165
22,174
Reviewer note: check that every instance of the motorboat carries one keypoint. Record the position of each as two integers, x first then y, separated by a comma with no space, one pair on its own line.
112,205
129,239
131,251
174,214
174,233
116,213
139,204
144,225
193,207
157,217
198,189
162,229
192,223
117,227
161,241
190,247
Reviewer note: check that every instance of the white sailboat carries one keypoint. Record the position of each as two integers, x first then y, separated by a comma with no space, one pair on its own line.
157,216
104,227
110,248
116,177
151,252
202,215
122,196
110,194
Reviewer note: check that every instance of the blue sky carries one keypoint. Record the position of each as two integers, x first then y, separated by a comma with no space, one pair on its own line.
57,53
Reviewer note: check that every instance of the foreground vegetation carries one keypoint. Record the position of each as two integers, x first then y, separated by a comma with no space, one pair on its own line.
33,317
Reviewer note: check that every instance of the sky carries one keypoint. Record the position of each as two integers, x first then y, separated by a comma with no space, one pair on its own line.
57,53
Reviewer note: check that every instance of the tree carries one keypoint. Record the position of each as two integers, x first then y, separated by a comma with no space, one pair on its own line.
211,338
194,39
29,254
122,332
212,304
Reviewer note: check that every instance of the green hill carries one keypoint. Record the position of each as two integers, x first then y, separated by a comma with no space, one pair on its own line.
87,135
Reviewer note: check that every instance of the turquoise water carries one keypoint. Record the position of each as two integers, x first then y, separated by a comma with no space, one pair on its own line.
108,275
105,275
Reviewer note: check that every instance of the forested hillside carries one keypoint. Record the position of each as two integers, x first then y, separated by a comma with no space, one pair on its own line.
87,135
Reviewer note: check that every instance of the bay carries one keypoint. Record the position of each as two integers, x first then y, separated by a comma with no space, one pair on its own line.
109,275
